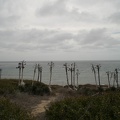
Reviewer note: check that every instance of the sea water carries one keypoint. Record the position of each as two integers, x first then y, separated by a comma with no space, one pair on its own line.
86,75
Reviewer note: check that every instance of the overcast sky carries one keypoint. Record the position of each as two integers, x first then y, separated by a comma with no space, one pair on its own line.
59,30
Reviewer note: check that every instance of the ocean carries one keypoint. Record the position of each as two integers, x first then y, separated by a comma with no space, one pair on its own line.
86,75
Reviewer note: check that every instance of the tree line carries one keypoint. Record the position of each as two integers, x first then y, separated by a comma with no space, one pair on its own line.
112,76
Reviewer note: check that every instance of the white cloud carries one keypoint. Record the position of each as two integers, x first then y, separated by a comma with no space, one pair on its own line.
60,28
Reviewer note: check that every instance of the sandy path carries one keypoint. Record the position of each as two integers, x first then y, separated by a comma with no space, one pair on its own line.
40,108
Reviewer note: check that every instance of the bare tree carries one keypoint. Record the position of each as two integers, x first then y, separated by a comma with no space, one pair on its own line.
98,68
51,64
66,70
94,71
108,75
21,66
74,69
40,70
38,66
116,74
77,73
34,73
71,70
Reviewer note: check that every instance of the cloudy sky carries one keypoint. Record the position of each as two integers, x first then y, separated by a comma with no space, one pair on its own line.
59,30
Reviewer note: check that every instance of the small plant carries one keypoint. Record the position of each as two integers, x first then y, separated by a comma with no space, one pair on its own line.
37,88
102,107
11,111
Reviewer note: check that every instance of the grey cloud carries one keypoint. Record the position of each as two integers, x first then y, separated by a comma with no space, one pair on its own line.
9,21
26,40
53,40
115,18
59,9
97,38
51,8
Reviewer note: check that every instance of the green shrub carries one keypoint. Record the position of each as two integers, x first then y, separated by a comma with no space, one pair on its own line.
40,89
10,111
102,107
37,88
86,91
8,86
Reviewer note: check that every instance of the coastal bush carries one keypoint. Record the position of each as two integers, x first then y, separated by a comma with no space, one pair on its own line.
8,86
101,107
11,111
37,88
40,89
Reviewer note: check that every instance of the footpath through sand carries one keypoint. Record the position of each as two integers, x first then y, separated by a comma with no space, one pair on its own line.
40,107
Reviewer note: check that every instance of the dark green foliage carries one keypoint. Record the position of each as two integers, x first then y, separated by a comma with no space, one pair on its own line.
11,86
37,88
102,107
8,86
40,89
10,111
86,91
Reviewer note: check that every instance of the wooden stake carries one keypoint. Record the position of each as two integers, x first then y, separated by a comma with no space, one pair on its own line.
34,73
94,71
98,68
77,73
51,64
108,75
66,70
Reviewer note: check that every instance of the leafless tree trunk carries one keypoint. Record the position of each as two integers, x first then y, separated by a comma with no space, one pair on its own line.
114,79
77,73
74,67
98,68
93,69
34,73
116,73
71,70
40,74
23,66
19,67
51,64
66,70
108,75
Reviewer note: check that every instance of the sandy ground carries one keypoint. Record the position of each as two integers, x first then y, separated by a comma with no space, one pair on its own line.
35,104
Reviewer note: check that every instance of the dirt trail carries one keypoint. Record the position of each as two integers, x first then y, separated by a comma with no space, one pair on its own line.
40,108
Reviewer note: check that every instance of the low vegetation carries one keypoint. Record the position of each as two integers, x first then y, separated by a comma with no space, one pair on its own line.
83,104
11,86
101,107
11,111
37,88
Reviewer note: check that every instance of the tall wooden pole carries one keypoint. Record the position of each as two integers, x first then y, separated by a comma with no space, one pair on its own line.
116,73
40,74
19,67
34,73
71,70
77,73
108,75
51,64
66,71
23,66
94,71
74,74
98,68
